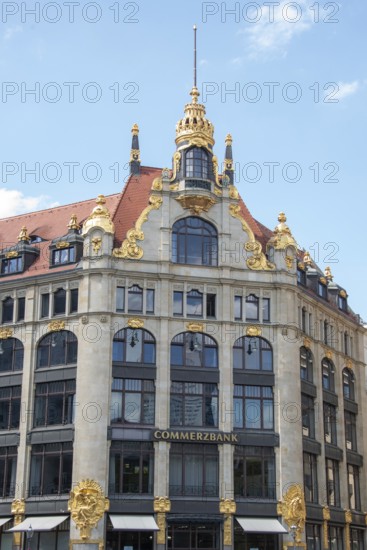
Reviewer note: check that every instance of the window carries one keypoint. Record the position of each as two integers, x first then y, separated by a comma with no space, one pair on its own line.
120,298
313,536
336,538
63,256
326,332
308,416
54,403
332,480
7,310
194,241
135,300
57,349
310,477
353,487
306,360
322,290
51,469
253,407
196,304
193,470
193,536
301,277
252,308
8,471
11,355
330,420
303,319
357,539
342,303
132,401
10,407
194,404
254,472
133,346
57,539
196,163
328,370
138,540
12,265
21,309
252,353
348,384
59,299
346,343
194,349
45,305
238,307
131,467
350,420
74,294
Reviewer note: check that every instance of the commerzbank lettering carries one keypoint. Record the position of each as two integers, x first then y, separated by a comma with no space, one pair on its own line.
213,437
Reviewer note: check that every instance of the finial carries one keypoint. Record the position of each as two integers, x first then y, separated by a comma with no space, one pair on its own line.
195,69
101,199
328,275
73,223
282,217
229,139
135,130
307,259
135,151
282,236
23,235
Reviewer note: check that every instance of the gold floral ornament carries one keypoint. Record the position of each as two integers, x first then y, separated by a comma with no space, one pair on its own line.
282,236
135,323
6,333
129,248
100,217
195,327
55,326
293,510
307,260
23,235
258,259
86,505
253,331
18,511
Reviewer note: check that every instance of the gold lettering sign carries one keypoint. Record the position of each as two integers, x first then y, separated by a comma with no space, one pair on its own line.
212,437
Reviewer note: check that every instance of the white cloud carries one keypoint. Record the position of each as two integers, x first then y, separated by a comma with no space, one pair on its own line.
346,89
13,202
272,34
10,32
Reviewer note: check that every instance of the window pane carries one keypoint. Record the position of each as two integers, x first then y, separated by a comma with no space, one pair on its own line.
150,301
120,298
178,303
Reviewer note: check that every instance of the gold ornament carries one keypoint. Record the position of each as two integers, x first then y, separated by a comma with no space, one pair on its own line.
227,507
135,323
233,193
12,254
23,235
349,364
161,506
196,203
307,259
328,274
307,343
289,262
195,327
73,223
135,130
157,184
86,505
135,155
343,294
129,248
294,510
6,333
328,353
62,244
100,217
326,518
282,236
253,331
18,511
55,326
348,521
96,243
194,127
176,166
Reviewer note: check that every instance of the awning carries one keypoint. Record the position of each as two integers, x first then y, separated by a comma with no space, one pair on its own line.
4,520
39,523
134,523
261,525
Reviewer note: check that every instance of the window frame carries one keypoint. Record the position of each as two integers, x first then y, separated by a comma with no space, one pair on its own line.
247,402
144,452
183,346
196,163
47,451
122,388
332,482
308,415
310,477
243,456
330,419
58,340
354,489
9,457
350,429
199,455
63,256
306,364
66,393
7,310
194,227
240,358
184,400
11,405
328,375
13,352
122,339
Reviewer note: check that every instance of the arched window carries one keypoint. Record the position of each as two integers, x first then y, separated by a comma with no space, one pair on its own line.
348,384
11,355
252,353
328,371
252,308
306,363
194,349
196,163
194,241
133,346
57,349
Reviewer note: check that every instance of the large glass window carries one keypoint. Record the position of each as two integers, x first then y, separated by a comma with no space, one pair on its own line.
308,416
196,163
7,310
63,256
357,539
336,537
193,536
332,480
133,346
306,360
51,469
328,371
12,265
313,536
132,401
59,302
194,349
310,477
8,470
330,420
136,540
10,407
254,472
57,349
353,487
348,384
252,353
131,467
253,407
197,304
252,308
350,420
247,541
193,470
194,404
21,309
11,355
54,403
194,241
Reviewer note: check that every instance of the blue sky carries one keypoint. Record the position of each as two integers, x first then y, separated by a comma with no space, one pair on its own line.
288,80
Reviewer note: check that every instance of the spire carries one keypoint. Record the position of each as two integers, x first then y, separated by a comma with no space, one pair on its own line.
195,71
135,151
228,160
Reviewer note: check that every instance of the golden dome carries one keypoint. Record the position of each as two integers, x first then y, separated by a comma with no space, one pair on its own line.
100,217
194,127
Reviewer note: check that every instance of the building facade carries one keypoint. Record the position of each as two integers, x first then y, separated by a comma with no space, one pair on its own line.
175,375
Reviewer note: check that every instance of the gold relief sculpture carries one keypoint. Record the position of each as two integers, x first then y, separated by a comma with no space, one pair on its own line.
289,261
18,511
233,193
294,510
253,331
23,235
307,259
196,203
129,248
86,505
215,170
195,327
301,266
282,236
328,274
258,260
227,530
135,323
161,506
96,243
343,294
348,521
55,326
12,254
328,353
174,187
307,342
323,280
6,333
218,192
157,184
100,217
176,167
135,155
227,507
62,244
73,223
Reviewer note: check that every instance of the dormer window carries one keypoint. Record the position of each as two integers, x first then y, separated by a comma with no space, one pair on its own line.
12,265
63,255
342,302
322,290
197,163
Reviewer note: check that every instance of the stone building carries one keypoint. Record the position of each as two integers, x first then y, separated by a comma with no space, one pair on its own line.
174,374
